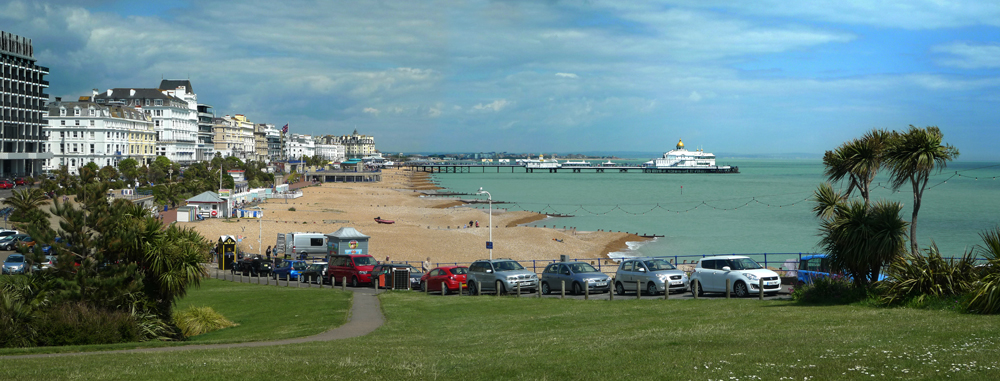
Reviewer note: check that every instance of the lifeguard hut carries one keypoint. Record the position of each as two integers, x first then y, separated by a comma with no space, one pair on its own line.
346,241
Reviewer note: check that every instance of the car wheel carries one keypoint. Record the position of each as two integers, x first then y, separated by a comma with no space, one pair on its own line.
740,289
423,286
577,290
619,289
500,290
445,290
354,281
651,289
701,291
545,288
473,289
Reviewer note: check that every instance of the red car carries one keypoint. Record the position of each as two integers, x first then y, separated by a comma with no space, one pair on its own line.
6,184
20,181
451,276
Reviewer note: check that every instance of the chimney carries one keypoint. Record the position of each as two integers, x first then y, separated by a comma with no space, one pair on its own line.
95,93
58,99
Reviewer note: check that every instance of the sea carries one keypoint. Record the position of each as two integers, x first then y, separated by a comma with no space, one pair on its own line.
766,208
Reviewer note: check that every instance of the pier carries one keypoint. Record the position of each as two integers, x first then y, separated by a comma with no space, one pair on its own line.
482,168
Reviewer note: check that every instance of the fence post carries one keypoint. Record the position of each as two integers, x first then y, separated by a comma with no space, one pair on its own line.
666,289
611,290
727,288
586,289
638,290
479,288
760,287
267,281
288,280
539,291
459,288
694,290
562,290
343,285
445,287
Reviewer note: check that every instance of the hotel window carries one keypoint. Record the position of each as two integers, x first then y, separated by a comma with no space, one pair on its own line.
92,123
91,112
76,112
147,102
62,112
91,134
62,122
62,148
77,122
91,148
74,147
159,102
62,134
74,134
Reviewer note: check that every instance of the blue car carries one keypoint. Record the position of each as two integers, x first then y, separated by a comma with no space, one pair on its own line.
289,269
812,267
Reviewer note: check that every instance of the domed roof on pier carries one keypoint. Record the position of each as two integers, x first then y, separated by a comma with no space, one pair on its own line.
680,144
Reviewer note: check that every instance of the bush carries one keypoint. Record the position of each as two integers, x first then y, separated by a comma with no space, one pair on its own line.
195,321
80,324
292,209
911,279
830,290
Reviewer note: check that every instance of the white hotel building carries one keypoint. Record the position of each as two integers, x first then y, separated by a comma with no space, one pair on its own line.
174,119
83,132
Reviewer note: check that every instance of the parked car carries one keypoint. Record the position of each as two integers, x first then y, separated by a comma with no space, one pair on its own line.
415,274
20,181
253,265
288,270
14,264
453,277
815,266
316,271
575,276
743,274
6,184
4,233
10,242
50,262
500,276
355,268
654,275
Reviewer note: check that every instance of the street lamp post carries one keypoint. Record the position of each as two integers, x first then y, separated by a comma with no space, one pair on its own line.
489,198
260,229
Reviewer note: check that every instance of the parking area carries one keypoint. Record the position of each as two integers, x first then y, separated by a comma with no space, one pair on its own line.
783,294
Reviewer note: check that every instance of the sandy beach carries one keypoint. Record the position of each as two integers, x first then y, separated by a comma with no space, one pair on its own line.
425,226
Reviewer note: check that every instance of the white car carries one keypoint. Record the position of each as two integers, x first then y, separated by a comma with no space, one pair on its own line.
744,276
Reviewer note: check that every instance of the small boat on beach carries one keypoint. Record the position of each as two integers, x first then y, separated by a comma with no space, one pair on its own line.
381,221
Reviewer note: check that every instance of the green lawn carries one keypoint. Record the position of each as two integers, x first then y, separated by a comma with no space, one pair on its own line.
430,337
262,312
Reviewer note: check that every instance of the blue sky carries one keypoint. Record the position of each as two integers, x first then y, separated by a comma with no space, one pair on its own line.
754,77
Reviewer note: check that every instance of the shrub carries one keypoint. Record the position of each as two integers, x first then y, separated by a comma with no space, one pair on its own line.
985,297
292,209
830,290
198,320
911,279
80,324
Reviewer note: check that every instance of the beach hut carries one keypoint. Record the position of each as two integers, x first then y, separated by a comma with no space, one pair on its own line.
347,241
209,204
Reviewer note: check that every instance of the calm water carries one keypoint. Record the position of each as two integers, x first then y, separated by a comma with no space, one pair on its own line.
763,209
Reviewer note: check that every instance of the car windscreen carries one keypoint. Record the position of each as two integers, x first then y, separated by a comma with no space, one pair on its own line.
459,270
743,264
298,266
508,266
364,261
582,268
316,266
15,259
658,264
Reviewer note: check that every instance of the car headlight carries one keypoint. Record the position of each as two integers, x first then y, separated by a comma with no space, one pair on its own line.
511,278
663,277
750,276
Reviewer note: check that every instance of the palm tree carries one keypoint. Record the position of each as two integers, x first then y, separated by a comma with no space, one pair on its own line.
860,237
911,157
859,160
26,205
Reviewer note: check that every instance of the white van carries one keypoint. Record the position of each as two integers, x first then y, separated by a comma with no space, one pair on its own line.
309,243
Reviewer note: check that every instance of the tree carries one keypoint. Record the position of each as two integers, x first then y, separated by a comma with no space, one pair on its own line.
911,157
859,160
860,237
108,173
129,168
88,172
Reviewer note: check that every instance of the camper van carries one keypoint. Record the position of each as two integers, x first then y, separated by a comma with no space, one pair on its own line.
308,243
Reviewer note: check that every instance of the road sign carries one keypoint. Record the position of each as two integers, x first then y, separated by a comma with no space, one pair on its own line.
489,245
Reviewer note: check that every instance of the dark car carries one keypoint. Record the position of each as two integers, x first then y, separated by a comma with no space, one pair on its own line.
575,276
315,272
253,266
10,242
389,268
288,269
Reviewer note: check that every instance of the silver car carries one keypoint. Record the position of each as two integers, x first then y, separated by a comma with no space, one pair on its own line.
14,264
575,276
655,275
501,276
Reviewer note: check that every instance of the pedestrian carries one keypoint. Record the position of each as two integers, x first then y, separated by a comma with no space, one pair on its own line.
426,265
470,223
268,252
386,259
477,223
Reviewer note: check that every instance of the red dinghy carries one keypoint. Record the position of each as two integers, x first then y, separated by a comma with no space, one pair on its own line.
381,221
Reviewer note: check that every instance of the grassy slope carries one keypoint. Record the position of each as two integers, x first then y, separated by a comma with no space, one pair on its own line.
429,337
262,312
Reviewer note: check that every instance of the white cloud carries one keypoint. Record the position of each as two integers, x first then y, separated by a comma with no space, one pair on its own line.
494,106
694,97
370,110
969,56
567,75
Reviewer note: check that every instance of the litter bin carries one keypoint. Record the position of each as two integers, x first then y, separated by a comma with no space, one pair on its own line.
226,262
401,279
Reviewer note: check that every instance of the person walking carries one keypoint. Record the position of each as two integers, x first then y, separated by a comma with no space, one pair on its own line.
426,265
268,252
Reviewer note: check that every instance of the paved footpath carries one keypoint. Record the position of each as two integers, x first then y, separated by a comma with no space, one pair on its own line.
365,317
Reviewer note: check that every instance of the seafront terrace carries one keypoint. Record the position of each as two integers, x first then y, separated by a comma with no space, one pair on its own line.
482,167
